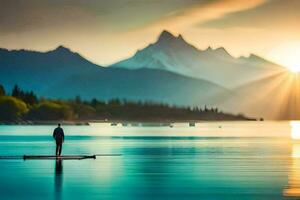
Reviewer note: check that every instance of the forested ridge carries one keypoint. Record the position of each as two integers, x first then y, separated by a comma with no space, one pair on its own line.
25,106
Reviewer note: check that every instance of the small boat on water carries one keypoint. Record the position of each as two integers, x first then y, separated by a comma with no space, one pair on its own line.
114,124
192,124
135,124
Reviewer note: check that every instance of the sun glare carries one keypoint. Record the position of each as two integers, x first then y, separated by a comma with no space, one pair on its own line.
295,130
288,55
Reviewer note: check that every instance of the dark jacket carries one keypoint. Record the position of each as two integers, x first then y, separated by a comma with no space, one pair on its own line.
58,134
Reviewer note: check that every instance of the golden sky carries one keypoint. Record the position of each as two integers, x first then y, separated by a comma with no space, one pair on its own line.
108,31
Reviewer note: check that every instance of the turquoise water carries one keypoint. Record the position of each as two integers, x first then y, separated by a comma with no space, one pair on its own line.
228,160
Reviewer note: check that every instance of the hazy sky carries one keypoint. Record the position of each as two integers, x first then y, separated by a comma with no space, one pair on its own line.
106,31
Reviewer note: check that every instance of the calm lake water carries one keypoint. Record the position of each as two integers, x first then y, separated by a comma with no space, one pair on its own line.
220,160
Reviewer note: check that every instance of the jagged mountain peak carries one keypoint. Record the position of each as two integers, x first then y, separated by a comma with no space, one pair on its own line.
253,57
166,35
258,59
209,49
63,51
62,48
221,51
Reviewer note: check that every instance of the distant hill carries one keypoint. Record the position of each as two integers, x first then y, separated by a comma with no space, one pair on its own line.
141,84
62,73
37,70
174,54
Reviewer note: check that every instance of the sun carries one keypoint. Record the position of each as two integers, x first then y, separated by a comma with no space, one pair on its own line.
288,55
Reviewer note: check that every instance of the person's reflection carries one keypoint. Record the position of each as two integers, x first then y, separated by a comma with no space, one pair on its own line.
58,178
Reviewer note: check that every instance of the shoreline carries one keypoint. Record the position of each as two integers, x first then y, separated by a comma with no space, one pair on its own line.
123,122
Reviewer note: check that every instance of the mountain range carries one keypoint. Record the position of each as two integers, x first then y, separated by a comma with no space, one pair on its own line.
169,71
174,54
61,73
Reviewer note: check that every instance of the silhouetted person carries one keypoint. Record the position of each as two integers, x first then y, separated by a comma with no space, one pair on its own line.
59,136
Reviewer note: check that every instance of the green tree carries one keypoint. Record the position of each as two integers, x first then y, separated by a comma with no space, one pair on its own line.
84,111
29,98
78,99
11,108
16,92
2,90
51,111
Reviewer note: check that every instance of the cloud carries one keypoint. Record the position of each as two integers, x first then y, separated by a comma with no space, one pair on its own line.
272,14
30,15
103,15
113,15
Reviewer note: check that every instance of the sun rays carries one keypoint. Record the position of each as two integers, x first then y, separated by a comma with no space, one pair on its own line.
275,96
288,55
283,95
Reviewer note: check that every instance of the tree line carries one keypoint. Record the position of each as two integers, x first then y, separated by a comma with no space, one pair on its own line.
21,106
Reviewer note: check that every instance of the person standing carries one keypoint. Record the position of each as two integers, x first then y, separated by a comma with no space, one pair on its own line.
59,136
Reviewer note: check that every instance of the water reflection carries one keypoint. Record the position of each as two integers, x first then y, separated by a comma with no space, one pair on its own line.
58,182
295,130
293,188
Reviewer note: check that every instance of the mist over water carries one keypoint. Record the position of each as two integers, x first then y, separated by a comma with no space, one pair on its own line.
222,160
